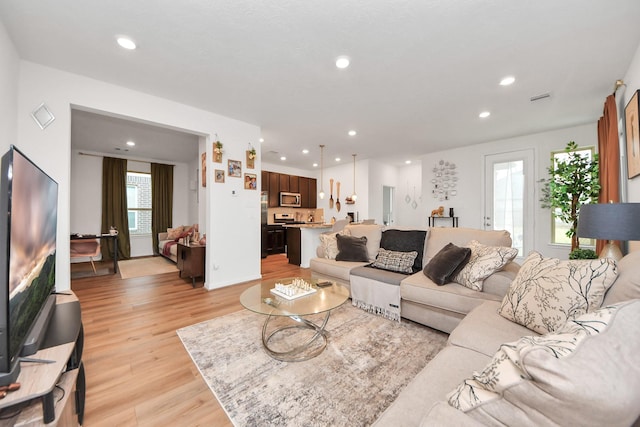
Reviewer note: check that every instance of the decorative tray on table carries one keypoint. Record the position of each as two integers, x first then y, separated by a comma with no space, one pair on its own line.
296,289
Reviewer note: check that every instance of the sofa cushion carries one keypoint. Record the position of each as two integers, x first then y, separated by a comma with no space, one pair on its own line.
498,283
335,269
450,366
373,233
352,248
447,263
452,296
405,241
582,374
627,285
439,237
484,330
401,262
483,262
547,291
378,275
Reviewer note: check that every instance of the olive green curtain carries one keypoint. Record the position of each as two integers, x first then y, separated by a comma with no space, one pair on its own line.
114,207
609,158
161,200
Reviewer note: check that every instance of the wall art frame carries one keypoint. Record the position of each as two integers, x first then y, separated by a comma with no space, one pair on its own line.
234,168
219,175
250,181
632,126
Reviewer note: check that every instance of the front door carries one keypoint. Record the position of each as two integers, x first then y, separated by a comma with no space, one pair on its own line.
509,196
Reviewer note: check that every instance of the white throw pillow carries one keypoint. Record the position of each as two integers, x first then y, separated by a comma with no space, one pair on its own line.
583,374
329,243
547,292
483,262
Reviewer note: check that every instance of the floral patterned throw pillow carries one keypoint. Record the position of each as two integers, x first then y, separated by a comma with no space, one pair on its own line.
483,262
547,292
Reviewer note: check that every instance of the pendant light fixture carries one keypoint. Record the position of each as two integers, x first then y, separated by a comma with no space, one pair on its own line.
321,193
354,196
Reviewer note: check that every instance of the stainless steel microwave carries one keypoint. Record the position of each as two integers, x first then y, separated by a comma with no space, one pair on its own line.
291,200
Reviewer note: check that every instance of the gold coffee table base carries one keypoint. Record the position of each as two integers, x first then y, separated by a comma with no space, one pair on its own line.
301,352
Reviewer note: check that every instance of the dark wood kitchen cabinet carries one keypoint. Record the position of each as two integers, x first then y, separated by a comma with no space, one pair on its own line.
294,251
284,182
274,183
294,184
274,189
276,239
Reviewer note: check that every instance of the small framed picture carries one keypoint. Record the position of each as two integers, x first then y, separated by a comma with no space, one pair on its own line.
203,163
219,175
250,181
235,168
632,122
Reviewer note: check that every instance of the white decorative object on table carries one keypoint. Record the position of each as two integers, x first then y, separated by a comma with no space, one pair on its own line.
296,289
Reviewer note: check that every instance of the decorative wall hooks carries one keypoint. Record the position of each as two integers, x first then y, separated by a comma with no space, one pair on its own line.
444,180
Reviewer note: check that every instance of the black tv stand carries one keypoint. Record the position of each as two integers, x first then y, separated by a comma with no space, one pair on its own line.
62,344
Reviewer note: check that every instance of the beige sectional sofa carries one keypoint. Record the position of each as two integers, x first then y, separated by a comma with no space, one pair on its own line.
440,307
598,385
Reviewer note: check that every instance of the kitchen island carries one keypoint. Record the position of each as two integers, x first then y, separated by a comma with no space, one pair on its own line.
302,241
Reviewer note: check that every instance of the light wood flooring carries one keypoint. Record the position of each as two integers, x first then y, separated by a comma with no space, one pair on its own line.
138,372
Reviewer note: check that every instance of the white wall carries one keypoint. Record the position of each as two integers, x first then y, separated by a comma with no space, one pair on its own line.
9,67
283,168
233,226
632,80
344,174
409,183
469,201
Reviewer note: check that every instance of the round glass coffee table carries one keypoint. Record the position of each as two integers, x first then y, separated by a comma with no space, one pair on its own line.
316,300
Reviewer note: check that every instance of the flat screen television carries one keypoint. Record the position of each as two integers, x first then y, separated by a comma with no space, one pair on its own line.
28,223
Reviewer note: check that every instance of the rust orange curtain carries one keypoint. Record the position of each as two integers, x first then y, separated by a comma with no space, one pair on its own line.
609,156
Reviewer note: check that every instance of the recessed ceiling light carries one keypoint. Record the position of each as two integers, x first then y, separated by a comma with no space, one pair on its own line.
283,158
315,165
484,114
126,43
407,162
342,62
352,133
507,81
305,151
131,143
261,139
337,159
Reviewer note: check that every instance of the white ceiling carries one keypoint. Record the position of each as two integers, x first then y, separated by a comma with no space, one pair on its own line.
421,70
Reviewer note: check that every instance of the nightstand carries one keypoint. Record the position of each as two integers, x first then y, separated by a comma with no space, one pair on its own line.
190,261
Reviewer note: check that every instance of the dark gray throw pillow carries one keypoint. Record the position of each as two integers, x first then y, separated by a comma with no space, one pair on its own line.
352,248
405,241
447,263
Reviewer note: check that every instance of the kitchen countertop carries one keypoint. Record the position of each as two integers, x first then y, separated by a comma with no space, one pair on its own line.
308,225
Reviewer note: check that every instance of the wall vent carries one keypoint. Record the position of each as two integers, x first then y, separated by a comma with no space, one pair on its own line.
539,97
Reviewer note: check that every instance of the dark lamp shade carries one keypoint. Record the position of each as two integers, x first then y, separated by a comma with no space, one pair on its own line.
610,221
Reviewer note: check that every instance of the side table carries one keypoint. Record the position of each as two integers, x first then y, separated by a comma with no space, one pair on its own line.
191,259
453,219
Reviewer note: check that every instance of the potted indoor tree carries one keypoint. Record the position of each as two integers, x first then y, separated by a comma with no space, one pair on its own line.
572,182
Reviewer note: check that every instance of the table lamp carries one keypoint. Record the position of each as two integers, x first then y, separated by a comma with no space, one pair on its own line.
610,221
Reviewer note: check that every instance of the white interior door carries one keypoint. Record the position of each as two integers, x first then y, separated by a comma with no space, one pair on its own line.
509,196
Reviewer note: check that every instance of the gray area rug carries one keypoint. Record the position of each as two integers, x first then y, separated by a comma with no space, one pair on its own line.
366,364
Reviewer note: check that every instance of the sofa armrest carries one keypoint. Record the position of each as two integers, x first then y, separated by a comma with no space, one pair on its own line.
441,414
